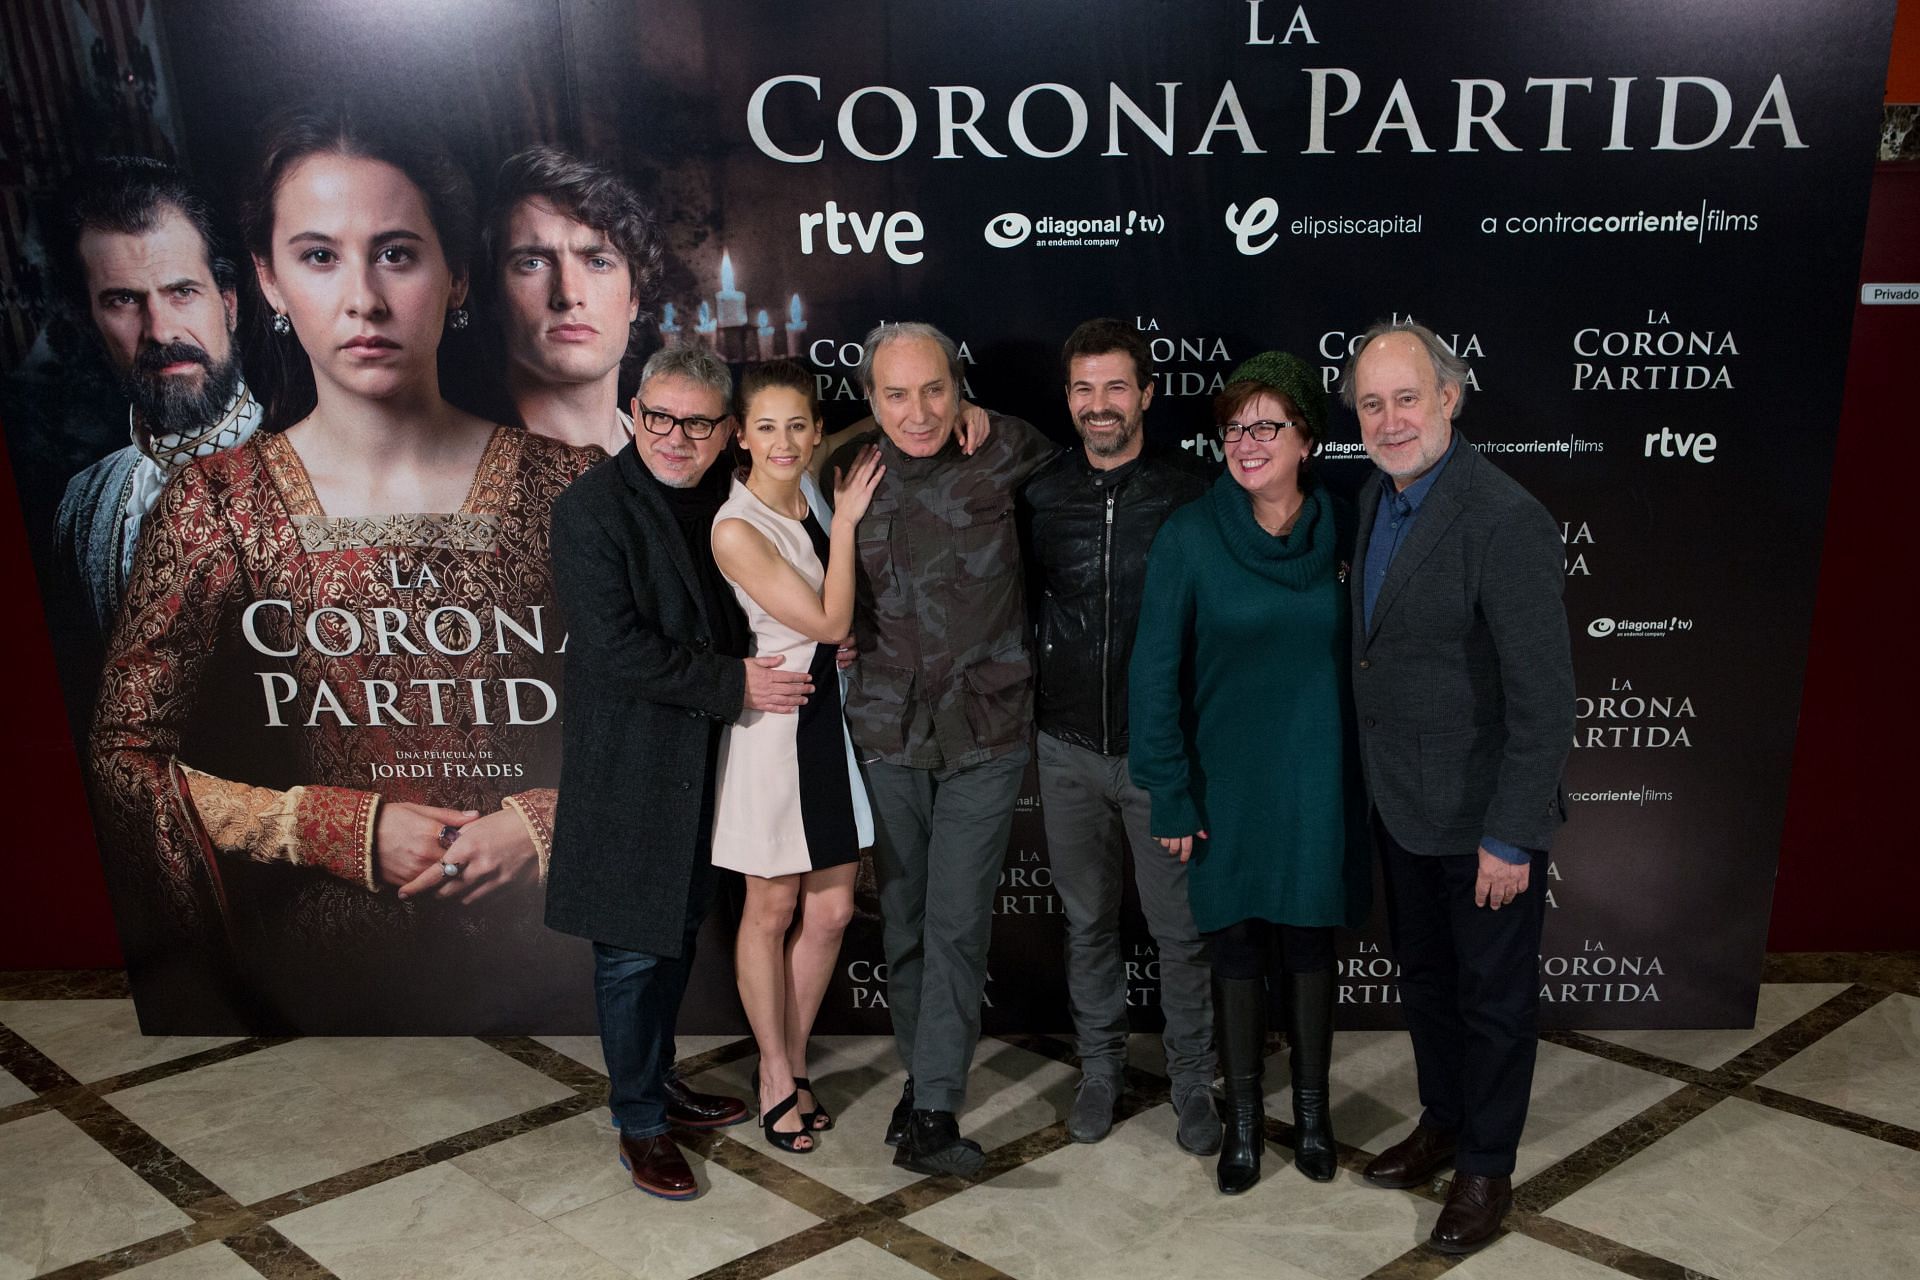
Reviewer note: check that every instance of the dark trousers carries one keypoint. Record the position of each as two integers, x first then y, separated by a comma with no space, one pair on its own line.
940,842
1094,817
638,998
1470,990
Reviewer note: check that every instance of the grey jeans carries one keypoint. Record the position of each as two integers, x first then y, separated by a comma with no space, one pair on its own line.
1089,803
940,840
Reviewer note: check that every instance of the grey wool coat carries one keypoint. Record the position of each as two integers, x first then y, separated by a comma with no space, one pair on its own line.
1463,685
645,692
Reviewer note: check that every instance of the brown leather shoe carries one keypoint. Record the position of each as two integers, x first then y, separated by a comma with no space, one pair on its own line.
658,1168
1411,1161
1476,1205
692,1110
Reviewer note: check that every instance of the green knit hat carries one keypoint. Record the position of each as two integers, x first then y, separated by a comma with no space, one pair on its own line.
1290,376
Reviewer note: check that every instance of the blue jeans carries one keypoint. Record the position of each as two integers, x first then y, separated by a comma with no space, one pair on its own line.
638,997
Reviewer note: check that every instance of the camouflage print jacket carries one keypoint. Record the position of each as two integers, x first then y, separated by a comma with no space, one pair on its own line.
944,679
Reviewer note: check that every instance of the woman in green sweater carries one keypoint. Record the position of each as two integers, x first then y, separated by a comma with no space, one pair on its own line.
1242,735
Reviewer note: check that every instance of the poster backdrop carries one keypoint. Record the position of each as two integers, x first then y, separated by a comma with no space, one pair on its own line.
1638,221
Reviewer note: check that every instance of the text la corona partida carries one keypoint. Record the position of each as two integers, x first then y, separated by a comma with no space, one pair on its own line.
793,118
447,631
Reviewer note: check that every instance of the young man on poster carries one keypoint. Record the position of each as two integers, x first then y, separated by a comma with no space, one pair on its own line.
1463,684
143,256
940,705
1089,518
573,255
656,668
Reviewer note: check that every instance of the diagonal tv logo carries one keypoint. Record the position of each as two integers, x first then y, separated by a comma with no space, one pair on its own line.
1008,230
1638,628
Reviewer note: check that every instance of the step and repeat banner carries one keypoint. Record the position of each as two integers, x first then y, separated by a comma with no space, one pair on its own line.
1639,222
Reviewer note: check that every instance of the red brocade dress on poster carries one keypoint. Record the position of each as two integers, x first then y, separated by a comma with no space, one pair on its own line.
278,675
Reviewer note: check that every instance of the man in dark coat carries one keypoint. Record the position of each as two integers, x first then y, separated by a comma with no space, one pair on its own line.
1088,519
1463,684
656,669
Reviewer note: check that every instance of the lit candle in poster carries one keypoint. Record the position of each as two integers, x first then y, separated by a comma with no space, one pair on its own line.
669,329
732,302
703,324
796,325
765,334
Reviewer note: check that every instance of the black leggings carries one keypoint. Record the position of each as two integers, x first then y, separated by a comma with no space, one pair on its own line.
1247,949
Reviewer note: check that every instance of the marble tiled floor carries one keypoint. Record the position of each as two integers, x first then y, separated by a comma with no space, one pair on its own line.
1791,1150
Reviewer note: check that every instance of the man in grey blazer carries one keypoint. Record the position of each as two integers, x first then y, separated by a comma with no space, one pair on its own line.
1463,685
656,668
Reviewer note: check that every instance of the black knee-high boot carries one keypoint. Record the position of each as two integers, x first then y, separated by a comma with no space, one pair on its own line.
1240,1033
1310,1034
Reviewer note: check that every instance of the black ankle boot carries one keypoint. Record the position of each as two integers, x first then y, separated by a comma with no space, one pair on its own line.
1240,1036
902,1118
1310,1033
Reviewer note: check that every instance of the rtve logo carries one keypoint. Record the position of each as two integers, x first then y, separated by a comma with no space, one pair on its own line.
1697,445
893,231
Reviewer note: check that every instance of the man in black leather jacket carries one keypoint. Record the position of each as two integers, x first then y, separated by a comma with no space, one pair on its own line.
1088,519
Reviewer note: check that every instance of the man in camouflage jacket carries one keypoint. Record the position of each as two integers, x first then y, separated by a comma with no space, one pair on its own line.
941,706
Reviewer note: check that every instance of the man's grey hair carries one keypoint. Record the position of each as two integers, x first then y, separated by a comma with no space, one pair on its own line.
1449,370
886,332
695,364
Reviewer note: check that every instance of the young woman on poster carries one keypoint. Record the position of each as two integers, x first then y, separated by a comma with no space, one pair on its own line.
328,721
790,810
1243,737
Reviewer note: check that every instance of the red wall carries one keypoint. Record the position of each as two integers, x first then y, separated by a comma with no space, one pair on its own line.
1903,69
53,898
1850,856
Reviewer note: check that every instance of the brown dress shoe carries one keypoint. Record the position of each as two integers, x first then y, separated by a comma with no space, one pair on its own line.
1476,1205
658,1168
692,1110
1412,1160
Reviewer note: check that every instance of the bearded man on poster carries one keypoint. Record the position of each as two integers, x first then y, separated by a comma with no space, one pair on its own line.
146,264
940,705
1463,684
656,668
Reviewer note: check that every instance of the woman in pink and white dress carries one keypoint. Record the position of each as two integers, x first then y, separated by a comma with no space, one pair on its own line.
790,810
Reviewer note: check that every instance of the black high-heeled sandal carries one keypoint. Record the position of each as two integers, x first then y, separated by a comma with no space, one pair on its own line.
785,1141
818,1120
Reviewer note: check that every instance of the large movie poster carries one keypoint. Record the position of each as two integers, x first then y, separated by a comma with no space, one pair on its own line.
1638,222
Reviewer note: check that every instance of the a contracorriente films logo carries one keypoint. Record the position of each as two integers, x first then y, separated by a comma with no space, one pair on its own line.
1049,231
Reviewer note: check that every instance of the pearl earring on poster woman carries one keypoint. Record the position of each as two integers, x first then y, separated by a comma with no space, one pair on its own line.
457,318
281,325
